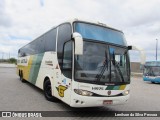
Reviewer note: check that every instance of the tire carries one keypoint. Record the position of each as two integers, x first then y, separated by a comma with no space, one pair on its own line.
48,91
21,77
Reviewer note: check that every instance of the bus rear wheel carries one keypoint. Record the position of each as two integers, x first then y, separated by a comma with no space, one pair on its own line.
21,77
48,91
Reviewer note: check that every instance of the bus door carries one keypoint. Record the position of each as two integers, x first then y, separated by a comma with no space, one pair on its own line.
65,77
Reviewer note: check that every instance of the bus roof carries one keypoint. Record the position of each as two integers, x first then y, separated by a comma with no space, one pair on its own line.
71,21
92,22
152,63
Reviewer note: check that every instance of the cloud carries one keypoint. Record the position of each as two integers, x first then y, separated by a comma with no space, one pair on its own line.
9,46
41,2
4,17
27,19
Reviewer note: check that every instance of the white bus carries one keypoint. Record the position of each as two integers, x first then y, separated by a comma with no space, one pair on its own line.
84,64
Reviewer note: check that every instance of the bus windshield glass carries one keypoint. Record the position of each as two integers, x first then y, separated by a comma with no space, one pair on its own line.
100,33
102,64
152,71
152,68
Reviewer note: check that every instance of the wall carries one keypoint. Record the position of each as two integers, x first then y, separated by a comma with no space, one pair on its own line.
135,67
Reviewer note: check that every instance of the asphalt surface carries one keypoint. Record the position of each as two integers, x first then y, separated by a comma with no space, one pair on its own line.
18,96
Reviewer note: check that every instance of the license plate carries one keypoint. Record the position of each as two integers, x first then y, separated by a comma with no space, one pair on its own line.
107,102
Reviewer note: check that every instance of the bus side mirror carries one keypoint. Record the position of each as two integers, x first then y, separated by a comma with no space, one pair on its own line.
78,43
129,47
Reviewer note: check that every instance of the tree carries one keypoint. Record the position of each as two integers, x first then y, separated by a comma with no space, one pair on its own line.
13,60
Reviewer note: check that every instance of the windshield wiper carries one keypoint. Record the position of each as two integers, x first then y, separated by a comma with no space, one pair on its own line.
119,71
105,65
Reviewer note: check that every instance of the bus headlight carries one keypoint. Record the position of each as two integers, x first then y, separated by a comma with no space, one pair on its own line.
126,92
83,92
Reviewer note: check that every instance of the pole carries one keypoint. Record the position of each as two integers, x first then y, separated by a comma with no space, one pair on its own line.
2,57
156,48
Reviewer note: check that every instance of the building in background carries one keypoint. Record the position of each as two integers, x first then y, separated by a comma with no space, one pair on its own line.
135,67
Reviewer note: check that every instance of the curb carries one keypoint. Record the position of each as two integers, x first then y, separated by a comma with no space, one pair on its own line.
134,74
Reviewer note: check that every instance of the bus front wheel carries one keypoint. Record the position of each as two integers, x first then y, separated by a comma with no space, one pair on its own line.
48,91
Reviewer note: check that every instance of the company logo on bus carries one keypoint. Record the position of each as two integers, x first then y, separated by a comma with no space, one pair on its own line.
109,92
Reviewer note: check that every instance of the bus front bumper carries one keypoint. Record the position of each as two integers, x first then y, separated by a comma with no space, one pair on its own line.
89,101
152,79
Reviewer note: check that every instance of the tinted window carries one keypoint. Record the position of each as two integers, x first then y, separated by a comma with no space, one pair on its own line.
35,47
67,59
50,40
30,49
100,33
40,44
21,52
64,34
46,42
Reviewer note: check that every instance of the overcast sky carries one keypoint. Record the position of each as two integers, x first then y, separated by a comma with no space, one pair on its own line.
23,20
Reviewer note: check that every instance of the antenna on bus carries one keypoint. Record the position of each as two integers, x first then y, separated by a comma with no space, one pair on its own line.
101,23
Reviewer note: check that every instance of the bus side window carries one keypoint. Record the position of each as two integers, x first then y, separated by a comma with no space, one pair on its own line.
64,35
50,40
67,59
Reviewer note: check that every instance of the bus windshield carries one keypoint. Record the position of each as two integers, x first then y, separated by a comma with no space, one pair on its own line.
152,71
100,33
102,64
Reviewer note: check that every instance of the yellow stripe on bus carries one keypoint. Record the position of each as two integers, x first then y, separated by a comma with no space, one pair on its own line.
122,87
28,68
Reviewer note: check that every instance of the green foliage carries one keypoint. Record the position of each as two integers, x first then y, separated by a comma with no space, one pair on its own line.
11,60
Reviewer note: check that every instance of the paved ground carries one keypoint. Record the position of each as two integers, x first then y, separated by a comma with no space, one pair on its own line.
6,65
18,96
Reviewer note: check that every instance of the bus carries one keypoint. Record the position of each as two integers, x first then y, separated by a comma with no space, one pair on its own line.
83,64
151,71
